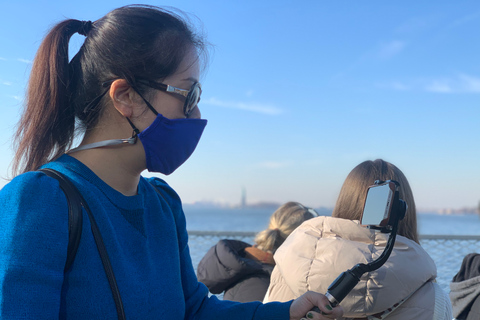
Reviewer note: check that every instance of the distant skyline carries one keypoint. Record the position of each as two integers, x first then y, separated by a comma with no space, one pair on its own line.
322,210
298,93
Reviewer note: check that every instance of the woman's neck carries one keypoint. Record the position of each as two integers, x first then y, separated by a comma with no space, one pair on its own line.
114,165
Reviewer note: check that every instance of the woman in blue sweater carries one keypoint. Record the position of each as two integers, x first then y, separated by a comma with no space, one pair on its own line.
137,70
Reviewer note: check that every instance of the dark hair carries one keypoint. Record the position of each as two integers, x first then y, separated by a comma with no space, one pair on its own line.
354,190
130,42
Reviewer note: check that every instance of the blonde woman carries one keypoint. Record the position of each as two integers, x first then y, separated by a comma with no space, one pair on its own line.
243,271
322,248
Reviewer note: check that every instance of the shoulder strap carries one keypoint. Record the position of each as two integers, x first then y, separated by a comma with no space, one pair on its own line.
72,193
158,191
75,217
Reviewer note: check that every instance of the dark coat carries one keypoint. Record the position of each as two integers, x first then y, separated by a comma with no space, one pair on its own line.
226,269
465,289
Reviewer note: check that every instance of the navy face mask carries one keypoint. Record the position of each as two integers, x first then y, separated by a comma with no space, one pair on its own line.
168,143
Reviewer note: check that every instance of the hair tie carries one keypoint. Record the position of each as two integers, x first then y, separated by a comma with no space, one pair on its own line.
86,27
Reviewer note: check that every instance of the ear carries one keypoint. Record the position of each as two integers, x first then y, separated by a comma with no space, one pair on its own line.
123,97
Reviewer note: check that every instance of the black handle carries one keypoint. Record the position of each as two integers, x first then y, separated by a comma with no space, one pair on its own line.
339,288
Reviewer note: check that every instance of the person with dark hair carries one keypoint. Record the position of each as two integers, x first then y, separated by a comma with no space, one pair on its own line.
242,271
465,289
137,71
322,248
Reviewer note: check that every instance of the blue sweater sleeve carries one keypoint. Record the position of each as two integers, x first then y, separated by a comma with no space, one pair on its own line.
33,247
197,303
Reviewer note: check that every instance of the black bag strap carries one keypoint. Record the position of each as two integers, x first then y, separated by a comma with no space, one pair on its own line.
159,192
76,201
75,216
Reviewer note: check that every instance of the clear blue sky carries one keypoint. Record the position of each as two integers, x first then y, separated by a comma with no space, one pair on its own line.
299,92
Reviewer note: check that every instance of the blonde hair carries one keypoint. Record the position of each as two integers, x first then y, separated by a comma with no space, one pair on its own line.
282,222
352,195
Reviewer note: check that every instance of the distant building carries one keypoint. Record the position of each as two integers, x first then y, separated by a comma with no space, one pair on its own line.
243,200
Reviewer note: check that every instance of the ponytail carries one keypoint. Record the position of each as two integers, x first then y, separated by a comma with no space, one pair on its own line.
282,222
269,240
47,125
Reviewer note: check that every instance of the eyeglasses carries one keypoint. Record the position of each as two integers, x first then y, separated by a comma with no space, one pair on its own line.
192,96
310,210
313,212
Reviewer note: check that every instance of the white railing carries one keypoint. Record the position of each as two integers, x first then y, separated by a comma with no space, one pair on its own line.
446,250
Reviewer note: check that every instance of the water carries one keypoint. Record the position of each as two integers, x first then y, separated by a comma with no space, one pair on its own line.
256,219
459,224
447,254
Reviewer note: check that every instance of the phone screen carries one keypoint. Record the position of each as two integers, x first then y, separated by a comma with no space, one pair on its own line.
377,205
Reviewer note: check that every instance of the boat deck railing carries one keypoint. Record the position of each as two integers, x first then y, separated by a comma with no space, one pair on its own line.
446,250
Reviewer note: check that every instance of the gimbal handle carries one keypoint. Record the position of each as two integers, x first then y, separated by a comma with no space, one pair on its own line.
347,280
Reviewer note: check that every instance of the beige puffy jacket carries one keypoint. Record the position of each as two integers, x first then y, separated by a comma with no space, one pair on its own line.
322,248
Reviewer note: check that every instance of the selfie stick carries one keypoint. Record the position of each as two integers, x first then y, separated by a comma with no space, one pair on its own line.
346,281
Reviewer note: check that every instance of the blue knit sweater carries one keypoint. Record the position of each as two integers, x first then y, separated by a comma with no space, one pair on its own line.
146,240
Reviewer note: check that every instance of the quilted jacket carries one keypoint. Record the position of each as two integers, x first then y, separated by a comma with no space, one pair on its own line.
322,248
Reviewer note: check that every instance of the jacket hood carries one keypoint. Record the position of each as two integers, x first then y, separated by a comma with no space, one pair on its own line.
465,287
225,264
322,248
462,294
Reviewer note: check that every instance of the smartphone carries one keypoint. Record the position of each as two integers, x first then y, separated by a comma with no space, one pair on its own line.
378,204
